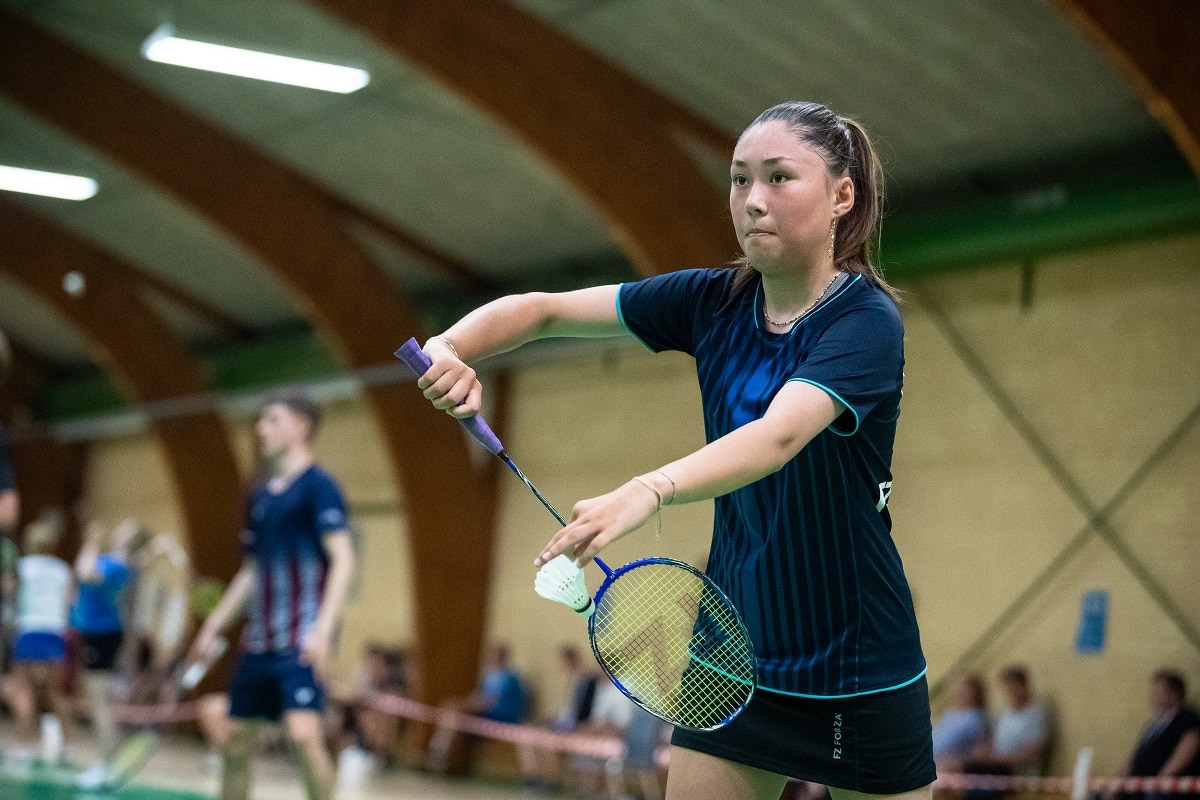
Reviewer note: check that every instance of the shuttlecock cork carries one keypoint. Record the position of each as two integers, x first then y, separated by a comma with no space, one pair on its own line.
561,580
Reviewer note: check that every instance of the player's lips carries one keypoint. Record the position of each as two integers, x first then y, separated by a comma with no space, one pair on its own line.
758,232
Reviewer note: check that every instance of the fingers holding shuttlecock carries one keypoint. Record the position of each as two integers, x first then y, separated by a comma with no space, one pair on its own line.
562,581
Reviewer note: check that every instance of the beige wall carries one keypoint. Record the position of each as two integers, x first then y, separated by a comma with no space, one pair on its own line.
1100,368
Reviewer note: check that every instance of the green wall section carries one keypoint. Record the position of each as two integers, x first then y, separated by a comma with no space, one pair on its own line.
292,357
1039,223
1022,226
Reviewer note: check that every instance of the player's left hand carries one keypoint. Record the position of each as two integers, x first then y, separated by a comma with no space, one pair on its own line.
601,520
314,651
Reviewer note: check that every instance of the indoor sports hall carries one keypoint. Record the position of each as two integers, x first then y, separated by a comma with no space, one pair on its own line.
220,220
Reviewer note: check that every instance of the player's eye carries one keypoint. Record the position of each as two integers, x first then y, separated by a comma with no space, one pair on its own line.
739,180
778,177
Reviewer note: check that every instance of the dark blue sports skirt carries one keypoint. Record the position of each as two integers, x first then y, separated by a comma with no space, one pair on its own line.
878,743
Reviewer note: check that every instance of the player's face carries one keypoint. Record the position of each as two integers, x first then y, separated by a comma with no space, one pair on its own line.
280,428
782,198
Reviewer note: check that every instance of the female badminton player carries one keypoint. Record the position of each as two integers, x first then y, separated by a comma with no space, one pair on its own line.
799,356
299,562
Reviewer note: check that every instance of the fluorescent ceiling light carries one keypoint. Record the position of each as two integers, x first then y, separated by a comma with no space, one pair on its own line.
47,184
163,46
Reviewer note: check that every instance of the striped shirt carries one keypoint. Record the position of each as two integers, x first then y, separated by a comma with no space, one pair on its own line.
805,553
283,535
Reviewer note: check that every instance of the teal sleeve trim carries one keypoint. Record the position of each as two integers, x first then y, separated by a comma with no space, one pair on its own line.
624,324
835,396
908,682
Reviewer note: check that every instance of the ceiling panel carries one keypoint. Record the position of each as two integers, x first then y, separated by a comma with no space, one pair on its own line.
115,29
142,225
32,324
451,177
960,95
403,146
947,87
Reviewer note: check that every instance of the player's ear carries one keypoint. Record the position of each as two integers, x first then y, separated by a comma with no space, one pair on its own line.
843,195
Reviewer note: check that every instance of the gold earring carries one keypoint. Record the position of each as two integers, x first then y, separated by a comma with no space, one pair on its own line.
832,232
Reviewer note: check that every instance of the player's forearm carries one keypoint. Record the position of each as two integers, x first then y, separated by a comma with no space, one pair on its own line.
720,467
337,587
1183,754
509,322
737,459
10,510
232,601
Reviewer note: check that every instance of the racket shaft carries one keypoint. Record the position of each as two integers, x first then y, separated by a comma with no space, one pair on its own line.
535,491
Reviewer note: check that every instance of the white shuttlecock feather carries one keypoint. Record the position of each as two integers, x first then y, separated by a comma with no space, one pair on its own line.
561,580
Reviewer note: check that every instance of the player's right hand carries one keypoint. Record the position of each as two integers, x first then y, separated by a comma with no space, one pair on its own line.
201,645
449,384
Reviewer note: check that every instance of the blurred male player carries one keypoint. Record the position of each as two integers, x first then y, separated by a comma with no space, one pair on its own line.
299,561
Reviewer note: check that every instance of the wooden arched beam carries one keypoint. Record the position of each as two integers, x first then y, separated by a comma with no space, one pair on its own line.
614,138
1156,43
294,229
147,362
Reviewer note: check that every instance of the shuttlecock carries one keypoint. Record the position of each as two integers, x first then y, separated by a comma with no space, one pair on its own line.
561,580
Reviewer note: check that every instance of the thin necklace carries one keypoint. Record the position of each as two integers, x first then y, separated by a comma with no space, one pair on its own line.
809,308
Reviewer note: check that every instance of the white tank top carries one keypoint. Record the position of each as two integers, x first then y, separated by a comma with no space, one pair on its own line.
44,595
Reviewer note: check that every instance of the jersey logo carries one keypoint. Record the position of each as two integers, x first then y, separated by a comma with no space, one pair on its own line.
837,736
885,494
333,518
304,695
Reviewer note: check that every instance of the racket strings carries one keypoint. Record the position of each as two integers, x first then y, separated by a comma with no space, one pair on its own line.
675,644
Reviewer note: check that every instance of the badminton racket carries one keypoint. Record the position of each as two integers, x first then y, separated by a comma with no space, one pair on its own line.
132,756
663,632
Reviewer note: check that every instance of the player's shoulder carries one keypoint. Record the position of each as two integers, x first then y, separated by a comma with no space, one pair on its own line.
690,282
45,561
318,476
863,301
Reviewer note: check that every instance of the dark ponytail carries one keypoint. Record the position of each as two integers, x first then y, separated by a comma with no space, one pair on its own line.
847,150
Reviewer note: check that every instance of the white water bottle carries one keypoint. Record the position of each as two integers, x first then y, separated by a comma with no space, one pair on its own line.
1079,780
52,738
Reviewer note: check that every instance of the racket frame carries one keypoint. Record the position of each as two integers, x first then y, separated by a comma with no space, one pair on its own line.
611,577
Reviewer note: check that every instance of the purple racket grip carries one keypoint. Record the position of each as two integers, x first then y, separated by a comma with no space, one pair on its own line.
413,357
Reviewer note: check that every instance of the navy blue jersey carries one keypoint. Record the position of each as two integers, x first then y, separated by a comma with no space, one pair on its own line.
806,553
284,535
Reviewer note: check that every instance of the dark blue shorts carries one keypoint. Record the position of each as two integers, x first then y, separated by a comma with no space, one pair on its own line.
876,743
265,685
100,649
40,646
